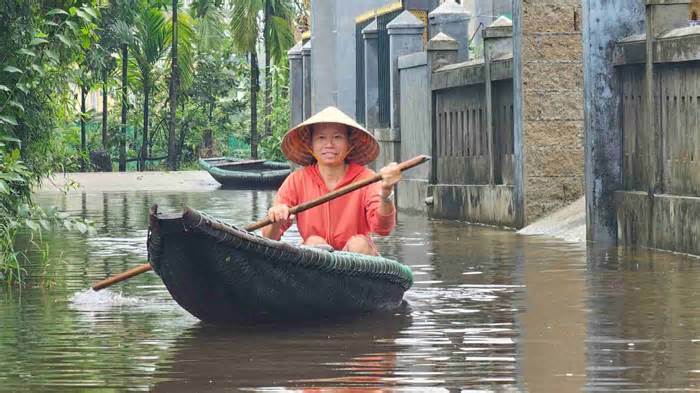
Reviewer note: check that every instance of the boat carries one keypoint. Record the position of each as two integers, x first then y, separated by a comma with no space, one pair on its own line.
222,274
236,173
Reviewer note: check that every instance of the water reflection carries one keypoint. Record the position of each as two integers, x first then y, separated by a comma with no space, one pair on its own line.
490,310
354,352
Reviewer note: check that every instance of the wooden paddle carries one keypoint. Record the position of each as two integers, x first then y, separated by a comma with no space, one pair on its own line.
262,223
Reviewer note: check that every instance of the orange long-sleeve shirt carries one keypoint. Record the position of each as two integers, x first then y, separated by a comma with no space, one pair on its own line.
336,221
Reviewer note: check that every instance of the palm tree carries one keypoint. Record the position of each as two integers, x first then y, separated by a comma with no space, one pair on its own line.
277,32
244,28
172,156
278,38
148,49
123,35
180,37
210,41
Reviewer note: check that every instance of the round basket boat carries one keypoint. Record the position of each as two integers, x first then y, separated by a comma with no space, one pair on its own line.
234,173
221,273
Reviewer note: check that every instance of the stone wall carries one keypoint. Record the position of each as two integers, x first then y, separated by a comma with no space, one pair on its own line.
549,104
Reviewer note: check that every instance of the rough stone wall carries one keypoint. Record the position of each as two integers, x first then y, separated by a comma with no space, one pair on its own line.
552,94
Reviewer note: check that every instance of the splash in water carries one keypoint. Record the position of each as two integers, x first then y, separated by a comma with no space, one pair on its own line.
89,300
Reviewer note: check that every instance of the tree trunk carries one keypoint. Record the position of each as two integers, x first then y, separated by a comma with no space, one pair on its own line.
266,72
172,143
254,87
83,141
122,137
105,134
144,144
208,137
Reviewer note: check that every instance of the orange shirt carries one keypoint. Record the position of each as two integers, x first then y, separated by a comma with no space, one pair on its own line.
336,221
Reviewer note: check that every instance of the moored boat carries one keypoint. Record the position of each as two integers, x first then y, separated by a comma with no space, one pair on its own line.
221,274
235,173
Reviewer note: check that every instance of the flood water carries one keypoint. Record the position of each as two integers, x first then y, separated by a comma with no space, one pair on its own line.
490,310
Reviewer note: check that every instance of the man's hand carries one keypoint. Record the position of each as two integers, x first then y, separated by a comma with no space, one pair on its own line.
391,174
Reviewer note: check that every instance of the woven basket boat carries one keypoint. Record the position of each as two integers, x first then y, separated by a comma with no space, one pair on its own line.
220,273
234,173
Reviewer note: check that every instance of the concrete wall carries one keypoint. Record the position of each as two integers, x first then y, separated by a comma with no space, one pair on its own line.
333,59
416,133
548,106
659,204
463,186
604,22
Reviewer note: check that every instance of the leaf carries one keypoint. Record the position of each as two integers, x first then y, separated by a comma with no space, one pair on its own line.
38,41
27,52
9,139
12,69
63,39
22,87
5,88
51,55
16,105
67,225
8,119
31,225
37,69
56,11
84,16
45,224
90,11
81,227
72,26
4,189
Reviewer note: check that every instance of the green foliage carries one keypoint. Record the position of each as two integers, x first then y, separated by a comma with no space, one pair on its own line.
39,50
270,146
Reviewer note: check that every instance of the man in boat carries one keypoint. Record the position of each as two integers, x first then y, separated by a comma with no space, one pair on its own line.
333,149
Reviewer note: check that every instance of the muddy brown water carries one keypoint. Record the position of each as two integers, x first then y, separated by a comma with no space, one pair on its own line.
490,310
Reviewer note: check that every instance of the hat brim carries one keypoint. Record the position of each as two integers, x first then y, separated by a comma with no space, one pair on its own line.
296,144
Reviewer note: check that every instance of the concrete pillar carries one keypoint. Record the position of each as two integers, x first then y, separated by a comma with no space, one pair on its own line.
452,19
661,15
441,51
296,84
405,37
604,23
371,48
498,41
306,89
547,107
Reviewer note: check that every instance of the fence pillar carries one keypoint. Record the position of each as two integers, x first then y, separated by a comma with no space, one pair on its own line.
306,89
498,40
441,51
296,84
405,37
661,15
371,48
452,19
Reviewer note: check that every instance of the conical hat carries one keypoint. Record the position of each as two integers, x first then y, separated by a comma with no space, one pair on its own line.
296,144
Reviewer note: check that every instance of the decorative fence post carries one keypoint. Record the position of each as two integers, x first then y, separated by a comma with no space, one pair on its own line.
296,84
306,66
452,19
498,40
371,48
405,36
442,50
